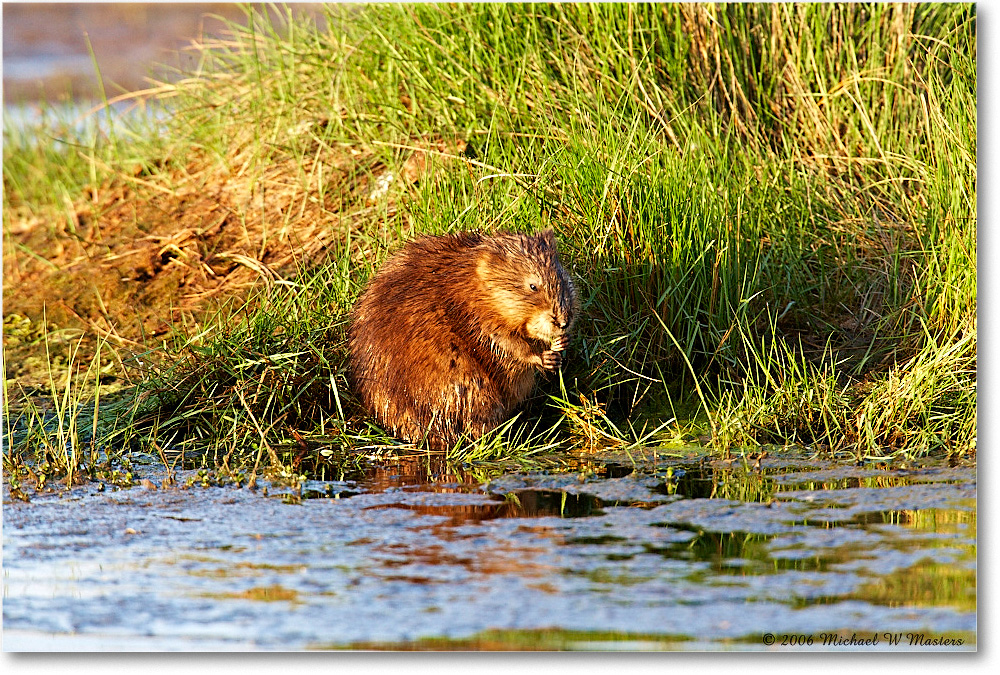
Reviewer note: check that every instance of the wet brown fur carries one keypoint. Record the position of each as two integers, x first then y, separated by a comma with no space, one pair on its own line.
448,335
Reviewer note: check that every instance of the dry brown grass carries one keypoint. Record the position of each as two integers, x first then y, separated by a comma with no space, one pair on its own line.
141,255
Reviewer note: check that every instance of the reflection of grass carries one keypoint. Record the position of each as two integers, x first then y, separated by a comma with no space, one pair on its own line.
272,593
771,210
569,640
244,569
923,585
947,521
552,639
930,583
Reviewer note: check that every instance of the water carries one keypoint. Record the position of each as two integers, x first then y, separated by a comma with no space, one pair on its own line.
50,49
682,556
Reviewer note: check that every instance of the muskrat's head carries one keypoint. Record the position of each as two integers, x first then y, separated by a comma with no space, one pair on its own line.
526,285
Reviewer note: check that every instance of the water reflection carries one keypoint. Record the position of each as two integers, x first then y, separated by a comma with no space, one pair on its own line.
538,560
520,504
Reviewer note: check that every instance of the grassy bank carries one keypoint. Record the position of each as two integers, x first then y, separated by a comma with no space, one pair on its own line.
771,210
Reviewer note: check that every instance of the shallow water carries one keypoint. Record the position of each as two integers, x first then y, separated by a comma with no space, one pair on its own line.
50,49
682,556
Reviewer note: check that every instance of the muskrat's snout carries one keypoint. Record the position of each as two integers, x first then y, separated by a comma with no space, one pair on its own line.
562,314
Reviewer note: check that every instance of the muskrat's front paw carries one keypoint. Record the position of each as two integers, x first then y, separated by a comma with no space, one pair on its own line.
560,343
551,360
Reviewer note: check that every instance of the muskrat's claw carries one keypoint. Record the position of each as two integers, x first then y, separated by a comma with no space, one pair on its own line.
551,360
560,343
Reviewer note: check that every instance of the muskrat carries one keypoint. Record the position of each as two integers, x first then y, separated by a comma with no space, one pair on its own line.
447,337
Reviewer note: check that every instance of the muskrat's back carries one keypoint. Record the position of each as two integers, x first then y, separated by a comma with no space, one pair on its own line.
446,338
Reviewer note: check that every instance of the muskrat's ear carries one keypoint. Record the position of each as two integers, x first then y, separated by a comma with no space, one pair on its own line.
547,238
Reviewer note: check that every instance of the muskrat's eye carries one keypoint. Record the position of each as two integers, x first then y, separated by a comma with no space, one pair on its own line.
533,287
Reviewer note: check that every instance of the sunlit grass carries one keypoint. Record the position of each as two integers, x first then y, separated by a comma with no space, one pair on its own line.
66,435
770,210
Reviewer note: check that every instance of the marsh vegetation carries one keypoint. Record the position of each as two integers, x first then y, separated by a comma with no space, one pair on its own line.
770,210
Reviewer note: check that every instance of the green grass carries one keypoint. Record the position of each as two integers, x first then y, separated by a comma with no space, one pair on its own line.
771,210
79,429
